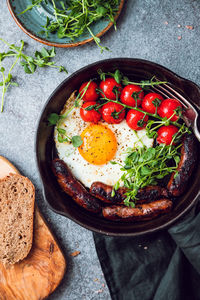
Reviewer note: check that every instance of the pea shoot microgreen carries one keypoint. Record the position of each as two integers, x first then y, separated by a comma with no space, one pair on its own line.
30,6
56,120
30,63
73,18
120,78
77,141
117,75
145,84
146,166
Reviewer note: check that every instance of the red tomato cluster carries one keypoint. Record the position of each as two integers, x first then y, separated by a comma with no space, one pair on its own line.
132,96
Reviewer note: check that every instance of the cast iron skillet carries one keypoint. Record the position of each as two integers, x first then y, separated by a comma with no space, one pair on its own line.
61,203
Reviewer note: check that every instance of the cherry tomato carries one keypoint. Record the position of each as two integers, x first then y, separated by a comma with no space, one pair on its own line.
113,113
90,115
165,134
150,101
132,93
108,87
167,107
91,93
136,120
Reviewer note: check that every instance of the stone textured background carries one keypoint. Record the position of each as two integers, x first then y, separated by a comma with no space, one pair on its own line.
149,29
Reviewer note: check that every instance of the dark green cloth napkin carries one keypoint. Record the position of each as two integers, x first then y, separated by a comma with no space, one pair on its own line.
161,266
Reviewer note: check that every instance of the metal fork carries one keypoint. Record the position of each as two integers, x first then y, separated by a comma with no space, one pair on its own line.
190,114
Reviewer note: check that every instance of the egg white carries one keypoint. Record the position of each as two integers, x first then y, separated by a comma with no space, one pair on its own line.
81,169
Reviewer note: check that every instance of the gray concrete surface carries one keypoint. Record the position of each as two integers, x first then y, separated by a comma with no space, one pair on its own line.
148,29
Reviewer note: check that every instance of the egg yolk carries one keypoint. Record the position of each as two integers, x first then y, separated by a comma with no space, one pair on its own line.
99,144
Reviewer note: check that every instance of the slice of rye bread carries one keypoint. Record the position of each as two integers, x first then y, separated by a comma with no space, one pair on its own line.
17,197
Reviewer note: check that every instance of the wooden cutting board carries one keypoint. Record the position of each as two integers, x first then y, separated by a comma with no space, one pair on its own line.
41,271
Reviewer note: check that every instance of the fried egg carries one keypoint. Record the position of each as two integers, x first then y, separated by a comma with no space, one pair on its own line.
102,143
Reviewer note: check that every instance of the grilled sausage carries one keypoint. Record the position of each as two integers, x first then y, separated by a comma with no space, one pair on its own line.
151,193
178,184
73,187
103,192
141,212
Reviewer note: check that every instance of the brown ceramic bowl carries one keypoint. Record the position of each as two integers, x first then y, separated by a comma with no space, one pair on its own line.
61,203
